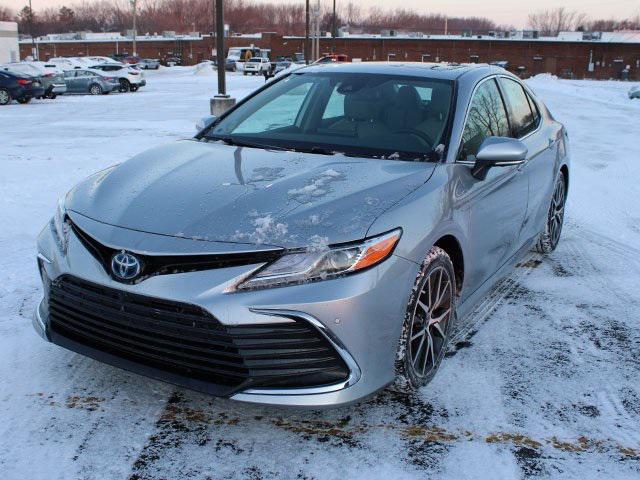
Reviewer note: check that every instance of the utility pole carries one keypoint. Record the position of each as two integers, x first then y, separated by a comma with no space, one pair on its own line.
134,4
221,102
307,52
34,50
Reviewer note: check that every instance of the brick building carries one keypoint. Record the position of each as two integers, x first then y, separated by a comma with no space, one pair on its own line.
567,56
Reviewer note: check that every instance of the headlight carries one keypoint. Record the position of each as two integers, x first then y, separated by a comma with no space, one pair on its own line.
301,267
60,227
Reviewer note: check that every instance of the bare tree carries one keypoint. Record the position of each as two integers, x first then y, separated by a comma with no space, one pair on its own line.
552,22
246,16
6,14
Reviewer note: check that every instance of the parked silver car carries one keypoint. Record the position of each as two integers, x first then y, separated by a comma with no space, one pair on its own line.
90,81
149,64
317,242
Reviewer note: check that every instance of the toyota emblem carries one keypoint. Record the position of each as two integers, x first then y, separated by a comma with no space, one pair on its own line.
125,266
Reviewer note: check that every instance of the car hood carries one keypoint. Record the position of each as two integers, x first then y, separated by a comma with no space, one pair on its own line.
218,193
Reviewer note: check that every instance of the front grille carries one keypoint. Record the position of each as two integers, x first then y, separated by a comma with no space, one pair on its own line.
187,341
164,264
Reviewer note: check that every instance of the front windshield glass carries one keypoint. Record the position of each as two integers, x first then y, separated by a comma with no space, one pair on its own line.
367,115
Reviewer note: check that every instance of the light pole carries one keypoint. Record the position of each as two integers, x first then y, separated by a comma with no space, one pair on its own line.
134,4
334,28
34,50
307,52
221,102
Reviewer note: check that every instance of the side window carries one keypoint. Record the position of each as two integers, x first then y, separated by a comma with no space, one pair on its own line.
487,118
278,113
534,109
335,105
522,118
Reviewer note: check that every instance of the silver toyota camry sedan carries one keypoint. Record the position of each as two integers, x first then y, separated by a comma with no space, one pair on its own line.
315,243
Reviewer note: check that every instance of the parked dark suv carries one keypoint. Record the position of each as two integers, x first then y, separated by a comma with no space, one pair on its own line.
19,87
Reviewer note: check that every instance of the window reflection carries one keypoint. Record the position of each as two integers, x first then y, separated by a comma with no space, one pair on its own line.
487,118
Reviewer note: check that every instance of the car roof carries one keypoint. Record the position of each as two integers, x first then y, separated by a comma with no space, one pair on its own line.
13,73
445,71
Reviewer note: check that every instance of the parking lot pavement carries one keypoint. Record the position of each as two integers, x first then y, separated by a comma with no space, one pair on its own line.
544,381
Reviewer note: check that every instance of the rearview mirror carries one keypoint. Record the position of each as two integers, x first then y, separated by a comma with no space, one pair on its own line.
204,122
498,152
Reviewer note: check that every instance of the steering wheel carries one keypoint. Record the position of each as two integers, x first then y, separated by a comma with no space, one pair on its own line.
419,134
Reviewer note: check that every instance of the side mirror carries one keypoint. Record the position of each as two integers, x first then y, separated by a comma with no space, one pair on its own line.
498,152
204,122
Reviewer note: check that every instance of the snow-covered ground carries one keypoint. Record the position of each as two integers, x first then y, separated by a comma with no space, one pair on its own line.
546,384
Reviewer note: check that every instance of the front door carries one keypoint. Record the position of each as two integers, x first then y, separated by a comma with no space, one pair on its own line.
542,144
496,205
71,81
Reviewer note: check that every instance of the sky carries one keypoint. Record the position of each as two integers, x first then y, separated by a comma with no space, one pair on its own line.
501,11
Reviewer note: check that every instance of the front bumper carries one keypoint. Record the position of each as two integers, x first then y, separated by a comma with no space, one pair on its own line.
58,88
361,315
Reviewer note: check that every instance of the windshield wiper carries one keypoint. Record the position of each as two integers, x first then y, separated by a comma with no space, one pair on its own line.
317,150
243,143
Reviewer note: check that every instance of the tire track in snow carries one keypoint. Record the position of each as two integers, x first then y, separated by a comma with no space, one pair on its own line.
613,318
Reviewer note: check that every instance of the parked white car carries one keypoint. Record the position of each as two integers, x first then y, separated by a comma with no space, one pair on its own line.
634,92
130,78
66,63
97,60
257,66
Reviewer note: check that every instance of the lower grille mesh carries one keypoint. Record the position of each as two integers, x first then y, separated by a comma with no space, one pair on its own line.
189,342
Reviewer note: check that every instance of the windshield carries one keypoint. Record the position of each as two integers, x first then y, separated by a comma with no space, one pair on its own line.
367,115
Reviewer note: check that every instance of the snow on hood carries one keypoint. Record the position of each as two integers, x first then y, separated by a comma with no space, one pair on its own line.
220,193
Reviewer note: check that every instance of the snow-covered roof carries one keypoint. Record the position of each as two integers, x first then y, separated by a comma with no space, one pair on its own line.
630,36
90,37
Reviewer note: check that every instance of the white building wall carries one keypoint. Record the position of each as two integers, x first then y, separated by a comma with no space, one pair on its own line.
9,51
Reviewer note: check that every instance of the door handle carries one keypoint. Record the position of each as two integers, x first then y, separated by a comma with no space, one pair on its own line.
552,141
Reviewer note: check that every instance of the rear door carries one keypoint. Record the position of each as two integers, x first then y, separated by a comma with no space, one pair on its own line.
540,140
496,205
84,79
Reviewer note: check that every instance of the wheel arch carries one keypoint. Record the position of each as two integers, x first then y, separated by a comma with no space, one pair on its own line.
450,244
565,170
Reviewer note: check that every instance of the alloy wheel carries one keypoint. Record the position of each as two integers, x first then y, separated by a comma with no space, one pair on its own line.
96,90
5,98
556,213
430,322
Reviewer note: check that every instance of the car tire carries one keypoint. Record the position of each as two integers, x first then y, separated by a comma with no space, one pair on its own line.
5,96
23,100
95,89
125,86
549,238
430,314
